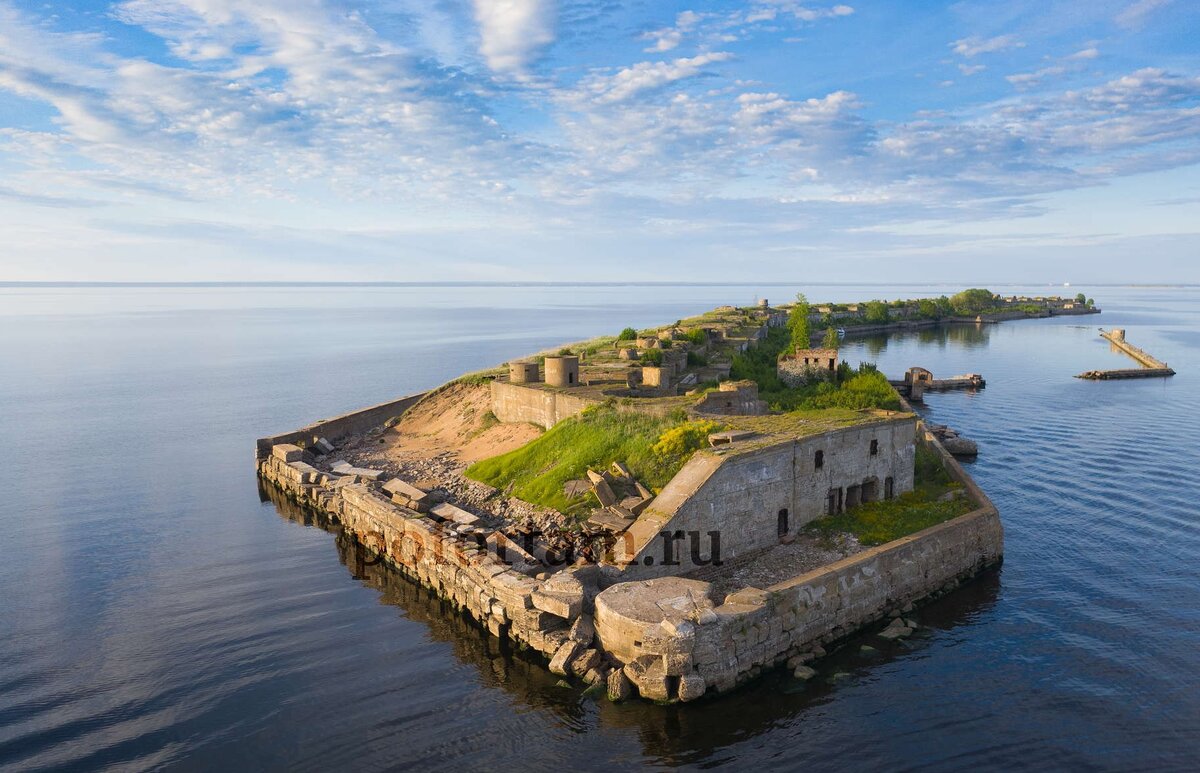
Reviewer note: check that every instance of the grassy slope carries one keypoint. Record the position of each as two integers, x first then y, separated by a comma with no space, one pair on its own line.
536,472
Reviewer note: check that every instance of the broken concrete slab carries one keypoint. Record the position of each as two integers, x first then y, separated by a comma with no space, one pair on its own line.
604,492
449,512
323,446
621,471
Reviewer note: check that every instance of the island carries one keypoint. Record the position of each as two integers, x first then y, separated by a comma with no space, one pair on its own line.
668,512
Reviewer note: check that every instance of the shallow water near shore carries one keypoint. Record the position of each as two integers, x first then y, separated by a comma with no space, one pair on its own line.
157,614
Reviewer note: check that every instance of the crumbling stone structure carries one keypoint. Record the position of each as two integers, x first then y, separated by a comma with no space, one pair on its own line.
802,365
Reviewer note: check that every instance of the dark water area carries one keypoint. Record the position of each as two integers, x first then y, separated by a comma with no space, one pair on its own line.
156,613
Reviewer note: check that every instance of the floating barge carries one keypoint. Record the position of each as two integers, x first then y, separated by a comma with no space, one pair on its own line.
1152,367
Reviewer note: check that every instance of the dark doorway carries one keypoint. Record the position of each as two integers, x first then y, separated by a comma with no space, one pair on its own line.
783,522
889,485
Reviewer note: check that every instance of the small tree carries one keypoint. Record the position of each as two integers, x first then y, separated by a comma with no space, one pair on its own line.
972,301
831,338
928,308
798,323
1081,298
1091,302
628,334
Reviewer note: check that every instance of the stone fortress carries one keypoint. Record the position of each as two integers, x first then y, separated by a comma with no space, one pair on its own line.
658,604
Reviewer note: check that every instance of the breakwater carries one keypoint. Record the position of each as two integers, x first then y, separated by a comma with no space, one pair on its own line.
1152,367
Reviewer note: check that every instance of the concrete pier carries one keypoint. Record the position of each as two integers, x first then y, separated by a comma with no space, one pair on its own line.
1152,367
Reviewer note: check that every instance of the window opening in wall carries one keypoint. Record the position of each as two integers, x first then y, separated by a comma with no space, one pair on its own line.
819,460
782,526
874,447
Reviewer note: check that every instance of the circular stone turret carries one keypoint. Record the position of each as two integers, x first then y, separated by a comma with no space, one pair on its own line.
522,372
639,617
562,371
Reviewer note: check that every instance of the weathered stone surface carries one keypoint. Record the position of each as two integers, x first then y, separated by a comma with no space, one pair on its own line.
565,604
323,446
804,672
621,471
583,630
449,512
619,686
585,661
286,452
563,657
691,687
895,630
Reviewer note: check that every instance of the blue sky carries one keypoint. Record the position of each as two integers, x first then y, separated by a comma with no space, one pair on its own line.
162,140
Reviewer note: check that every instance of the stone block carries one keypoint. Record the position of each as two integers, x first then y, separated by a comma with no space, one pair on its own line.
447,511
323,446
565,605
286,452
619,686
563,657
691,687
587,660
583,630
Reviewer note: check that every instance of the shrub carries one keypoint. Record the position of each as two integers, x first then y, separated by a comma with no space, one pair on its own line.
628,334
696,359
684,440
973,301
651,357
697,336
876,312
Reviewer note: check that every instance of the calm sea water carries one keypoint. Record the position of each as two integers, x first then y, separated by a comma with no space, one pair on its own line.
155,613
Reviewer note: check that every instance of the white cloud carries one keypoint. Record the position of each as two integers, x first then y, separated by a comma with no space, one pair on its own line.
1086,53
513,31
646,75
974,45
1134,15
971,69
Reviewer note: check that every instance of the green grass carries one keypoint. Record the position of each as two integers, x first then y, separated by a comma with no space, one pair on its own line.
599,436
876,523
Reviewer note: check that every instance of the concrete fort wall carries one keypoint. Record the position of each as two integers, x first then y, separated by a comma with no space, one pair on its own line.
721,646
535,405
339,426
742,497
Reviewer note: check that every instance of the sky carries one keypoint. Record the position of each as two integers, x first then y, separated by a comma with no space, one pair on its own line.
609,140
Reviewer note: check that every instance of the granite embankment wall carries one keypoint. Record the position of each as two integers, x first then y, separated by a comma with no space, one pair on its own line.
469,574
339,426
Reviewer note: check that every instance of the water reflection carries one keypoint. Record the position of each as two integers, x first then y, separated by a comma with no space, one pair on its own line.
959,335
